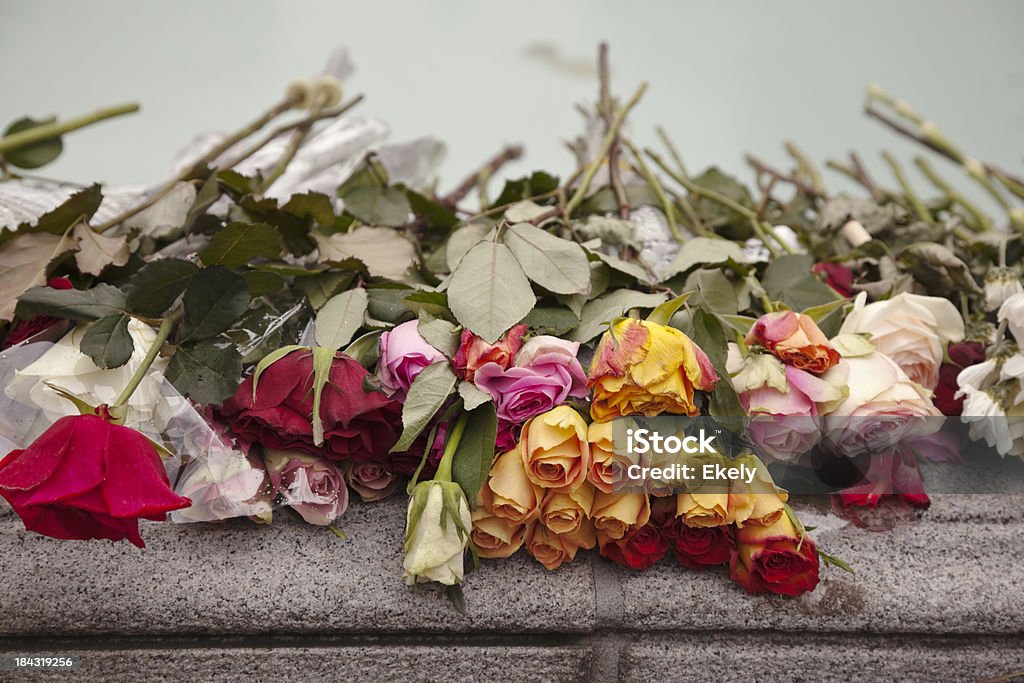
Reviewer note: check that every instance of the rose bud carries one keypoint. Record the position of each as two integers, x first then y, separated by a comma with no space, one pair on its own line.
85,478
555,451
795,339
699,547
605,469
494,536
638,549
358,425
615,514
23,330
545,375
310,485
474,352
438,526
552,550
564,513
1000,285
403,355
372,480
514,497
837,276
774,559
911,329
641,368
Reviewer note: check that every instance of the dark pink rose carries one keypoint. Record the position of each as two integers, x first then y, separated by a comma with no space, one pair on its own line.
403,355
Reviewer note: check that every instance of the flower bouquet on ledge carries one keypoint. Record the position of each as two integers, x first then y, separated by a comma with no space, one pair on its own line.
632,358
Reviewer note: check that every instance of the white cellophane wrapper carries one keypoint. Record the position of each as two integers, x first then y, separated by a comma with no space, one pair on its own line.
220,480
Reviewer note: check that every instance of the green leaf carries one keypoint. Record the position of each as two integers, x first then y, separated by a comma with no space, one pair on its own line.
38,153
833,561
553,320
386,206
789,279
461,241
939,269
433,303
625,267
340,317
698,251
107,341
663,313
23,264
320,288
525,187
73,304
239,243
215,298
475,452
602,310
387,304
555,264
714,291
427,394
715,214
710,336
314,205
472,396
366,349
488,292
158,284
208,194
262,282
439,333
79,206
739,323
434,214
205,372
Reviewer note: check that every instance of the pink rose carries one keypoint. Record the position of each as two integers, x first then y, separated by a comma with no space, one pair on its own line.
545,374
474,352
403,355
373,481
312,486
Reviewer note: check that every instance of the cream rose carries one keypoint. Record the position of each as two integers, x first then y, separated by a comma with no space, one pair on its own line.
911,329
438,526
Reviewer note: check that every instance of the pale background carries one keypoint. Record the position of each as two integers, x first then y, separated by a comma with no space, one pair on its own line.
726,77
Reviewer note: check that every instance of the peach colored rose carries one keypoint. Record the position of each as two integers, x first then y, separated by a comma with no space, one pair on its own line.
494,536
555,451
605,469
552,550
564,513
516,498
615,514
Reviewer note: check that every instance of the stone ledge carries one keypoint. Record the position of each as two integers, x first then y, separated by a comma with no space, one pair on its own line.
940,575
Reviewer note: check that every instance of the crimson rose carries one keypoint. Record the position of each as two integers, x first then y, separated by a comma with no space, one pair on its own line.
699,547
640,548
773,559
84,478
358,425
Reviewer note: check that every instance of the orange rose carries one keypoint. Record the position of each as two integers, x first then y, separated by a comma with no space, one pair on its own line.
565,513
552,550
515,497
605,470
642,368
795,339
616,513
492,535
555,451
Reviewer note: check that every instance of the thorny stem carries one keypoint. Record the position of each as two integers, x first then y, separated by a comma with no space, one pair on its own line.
161,336
510,153
688,209
659,189
807,167
58,128
606,109
613,131
763,167
916,205
228,142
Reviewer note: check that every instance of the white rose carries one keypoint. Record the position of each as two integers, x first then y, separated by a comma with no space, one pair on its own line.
1012,311
884,406
65,366
221,485
434,545
911,329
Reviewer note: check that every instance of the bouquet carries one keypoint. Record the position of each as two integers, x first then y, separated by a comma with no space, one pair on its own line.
297,321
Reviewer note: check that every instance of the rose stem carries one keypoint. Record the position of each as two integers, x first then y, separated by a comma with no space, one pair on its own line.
577,197
762,166
761,228
510,153
444,468
606,109
228,142
652,180
807,167
688,209
982,221
161,336
916,205
55,129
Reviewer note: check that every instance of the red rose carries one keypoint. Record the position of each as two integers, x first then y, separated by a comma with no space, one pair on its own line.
962,355
638,549
773,559
87,478
26,329
474,352
837,276
358,425
700,547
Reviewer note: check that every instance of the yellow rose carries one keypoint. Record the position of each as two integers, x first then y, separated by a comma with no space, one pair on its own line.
552,550
642,368
605,468
555,451
616,513
760,503
492,535
516,498
564,513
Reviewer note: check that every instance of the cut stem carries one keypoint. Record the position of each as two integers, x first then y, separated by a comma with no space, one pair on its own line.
914,202
980,219
161,336
444,468
58,128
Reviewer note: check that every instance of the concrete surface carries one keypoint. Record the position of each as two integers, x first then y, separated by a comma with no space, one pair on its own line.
939,597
